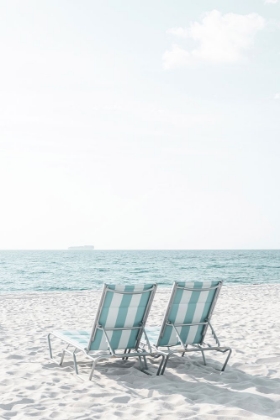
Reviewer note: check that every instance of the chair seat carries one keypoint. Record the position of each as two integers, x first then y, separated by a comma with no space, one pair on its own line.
77,338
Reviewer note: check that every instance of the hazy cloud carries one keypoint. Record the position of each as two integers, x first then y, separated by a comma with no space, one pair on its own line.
220,39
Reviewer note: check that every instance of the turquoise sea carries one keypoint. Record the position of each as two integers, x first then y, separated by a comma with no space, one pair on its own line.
41,271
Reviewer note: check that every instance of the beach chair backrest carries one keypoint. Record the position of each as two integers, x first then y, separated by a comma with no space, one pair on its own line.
191,303
121,316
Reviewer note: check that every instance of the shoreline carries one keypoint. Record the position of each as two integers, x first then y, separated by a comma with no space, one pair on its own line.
160,289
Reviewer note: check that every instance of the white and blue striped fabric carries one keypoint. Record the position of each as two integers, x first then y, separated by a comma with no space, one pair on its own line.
189,304
123,307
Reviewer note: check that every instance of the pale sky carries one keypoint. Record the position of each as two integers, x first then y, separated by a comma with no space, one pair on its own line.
151,124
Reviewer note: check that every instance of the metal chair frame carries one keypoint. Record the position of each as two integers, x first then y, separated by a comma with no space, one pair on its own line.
110,353
183,348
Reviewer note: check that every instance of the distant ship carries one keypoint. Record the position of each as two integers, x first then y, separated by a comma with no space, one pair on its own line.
81,248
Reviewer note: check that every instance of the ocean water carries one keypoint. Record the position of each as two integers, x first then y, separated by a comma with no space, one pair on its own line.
28,271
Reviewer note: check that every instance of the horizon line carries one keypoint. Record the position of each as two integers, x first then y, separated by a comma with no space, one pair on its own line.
143,249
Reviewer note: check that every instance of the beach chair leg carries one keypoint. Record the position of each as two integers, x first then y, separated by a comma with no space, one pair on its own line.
164,364
51,353
145,363
183,353
227,359
94,363
50,347
126,351
160,365
141,363
62,356
203,357
92,370
75,362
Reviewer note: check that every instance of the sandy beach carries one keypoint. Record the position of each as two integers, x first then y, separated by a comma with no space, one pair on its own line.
33,386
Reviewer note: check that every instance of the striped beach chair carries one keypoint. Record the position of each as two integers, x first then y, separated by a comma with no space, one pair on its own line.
186,321
118,328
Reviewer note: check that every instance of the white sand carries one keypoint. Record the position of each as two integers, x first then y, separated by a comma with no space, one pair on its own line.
32,386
